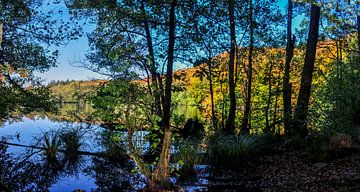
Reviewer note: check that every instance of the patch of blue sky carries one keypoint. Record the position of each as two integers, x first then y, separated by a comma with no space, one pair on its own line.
76,50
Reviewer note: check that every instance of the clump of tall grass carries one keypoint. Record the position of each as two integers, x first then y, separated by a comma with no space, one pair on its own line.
232,150
51,144
188,154
71,140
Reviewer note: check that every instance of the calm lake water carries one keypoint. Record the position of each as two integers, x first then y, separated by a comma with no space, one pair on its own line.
29,169
24,167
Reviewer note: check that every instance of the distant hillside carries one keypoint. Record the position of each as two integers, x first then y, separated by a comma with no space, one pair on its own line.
191,91
72,91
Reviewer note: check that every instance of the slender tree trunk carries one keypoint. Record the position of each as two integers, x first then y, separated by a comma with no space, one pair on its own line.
1,32
301,112
154,74
358,33
230,124
155,84
162,171
161,89
213,115
148,81
132,151
286,84
223,111
267,128
274,123
245,122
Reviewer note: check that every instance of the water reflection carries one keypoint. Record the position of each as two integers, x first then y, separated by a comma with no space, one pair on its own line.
115,176
63,157
24,174
42,153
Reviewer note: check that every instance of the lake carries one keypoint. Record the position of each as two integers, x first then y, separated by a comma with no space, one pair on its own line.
27,162
24,167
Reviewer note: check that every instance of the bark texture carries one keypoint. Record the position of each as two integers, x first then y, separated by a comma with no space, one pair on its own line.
245,127
230,124
302,107
213,114
286,84
154,75
358,33
162,171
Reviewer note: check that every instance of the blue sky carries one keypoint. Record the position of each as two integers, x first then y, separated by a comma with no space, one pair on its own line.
77,49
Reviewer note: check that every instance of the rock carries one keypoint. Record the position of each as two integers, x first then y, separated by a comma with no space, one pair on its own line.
318,166
340,141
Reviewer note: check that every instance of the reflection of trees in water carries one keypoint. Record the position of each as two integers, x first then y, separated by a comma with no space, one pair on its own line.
115,172
58,156
24,175
112,176
39,169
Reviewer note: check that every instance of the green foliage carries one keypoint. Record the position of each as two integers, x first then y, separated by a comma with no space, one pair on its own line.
121,101
340,101
128,105
114,146
26,29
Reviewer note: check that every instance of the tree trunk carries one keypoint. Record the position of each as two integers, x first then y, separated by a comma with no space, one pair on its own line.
161,89
301,113
245,122
155,85
1,32
154,74
286,84
213,115
230,124
274,123
267,128
223,109
162,171
132,151
358,33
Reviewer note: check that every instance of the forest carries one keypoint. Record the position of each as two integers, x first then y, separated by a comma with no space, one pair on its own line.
231,95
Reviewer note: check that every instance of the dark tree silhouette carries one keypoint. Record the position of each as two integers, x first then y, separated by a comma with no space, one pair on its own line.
302,107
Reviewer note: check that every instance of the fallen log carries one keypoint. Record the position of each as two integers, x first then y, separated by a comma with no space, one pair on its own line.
96,154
